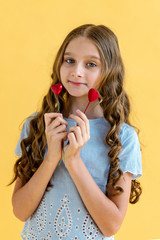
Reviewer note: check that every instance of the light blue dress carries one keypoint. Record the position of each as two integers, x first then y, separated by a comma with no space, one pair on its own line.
61,214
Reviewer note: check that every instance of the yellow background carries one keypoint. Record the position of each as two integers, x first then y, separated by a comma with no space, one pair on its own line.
31,33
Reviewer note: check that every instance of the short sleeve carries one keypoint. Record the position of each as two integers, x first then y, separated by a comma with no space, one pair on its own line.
130,156
24,134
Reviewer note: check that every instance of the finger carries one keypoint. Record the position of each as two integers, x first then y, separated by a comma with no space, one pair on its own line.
78,135
57,122
48,117
72,140
62,136
65,137
85,119
61,128
81,123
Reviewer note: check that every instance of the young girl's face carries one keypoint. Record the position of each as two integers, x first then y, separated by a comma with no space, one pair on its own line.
81,67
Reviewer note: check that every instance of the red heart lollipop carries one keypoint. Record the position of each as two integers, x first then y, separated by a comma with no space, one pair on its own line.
92,95
56,88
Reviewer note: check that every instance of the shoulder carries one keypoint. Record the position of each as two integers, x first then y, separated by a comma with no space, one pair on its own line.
130,155
27,121
127,131
30,117
129,137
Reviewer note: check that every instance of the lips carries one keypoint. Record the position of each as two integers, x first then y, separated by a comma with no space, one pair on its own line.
77,83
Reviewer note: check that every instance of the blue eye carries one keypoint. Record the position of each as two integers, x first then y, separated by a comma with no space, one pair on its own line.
69,60
89,64
92,64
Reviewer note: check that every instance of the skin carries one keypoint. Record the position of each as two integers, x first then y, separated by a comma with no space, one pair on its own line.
108,213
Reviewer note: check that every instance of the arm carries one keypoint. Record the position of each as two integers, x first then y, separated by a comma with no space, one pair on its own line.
26,199
107,213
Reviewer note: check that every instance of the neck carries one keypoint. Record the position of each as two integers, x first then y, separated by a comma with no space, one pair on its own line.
93,111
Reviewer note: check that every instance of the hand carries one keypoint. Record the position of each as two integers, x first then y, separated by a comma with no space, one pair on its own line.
56,132
78,136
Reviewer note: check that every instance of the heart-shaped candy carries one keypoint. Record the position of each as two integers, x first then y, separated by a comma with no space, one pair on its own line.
92,95
56,88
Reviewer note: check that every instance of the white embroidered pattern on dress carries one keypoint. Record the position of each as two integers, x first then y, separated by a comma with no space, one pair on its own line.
75,238
90,230
62,224
49,236
41,217
31,234
63,219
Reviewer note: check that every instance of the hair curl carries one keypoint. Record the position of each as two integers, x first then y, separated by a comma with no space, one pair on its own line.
115,105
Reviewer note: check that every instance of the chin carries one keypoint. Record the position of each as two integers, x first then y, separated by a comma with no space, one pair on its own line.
77,92
78,95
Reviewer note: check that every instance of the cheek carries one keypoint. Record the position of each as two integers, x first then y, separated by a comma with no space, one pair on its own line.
96,79
62,72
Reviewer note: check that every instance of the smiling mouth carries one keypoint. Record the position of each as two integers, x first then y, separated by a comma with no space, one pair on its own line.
77,83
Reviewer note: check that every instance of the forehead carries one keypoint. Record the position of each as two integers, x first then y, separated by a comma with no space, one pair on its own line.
82,46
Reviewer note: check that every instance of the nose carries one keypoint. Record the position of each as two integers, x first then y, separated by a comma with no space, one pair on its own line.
77,71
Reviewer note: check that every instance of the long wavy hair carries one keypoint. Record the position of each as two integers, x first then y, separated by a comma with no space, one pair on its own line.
115,104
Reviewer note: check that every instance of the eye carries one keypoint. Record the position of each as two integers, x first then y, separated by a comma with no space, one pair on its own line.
92,64
69,60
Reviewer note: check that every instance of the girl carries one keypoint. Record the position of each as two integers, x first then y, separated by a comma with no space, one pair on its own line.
87,194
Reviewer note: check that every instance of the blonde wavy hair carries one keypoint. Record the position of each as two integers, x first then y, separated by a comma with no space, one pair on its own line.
115,105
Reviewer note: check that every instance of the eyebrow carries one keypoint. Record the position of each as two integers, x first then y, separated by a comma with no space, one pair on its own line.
91,56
